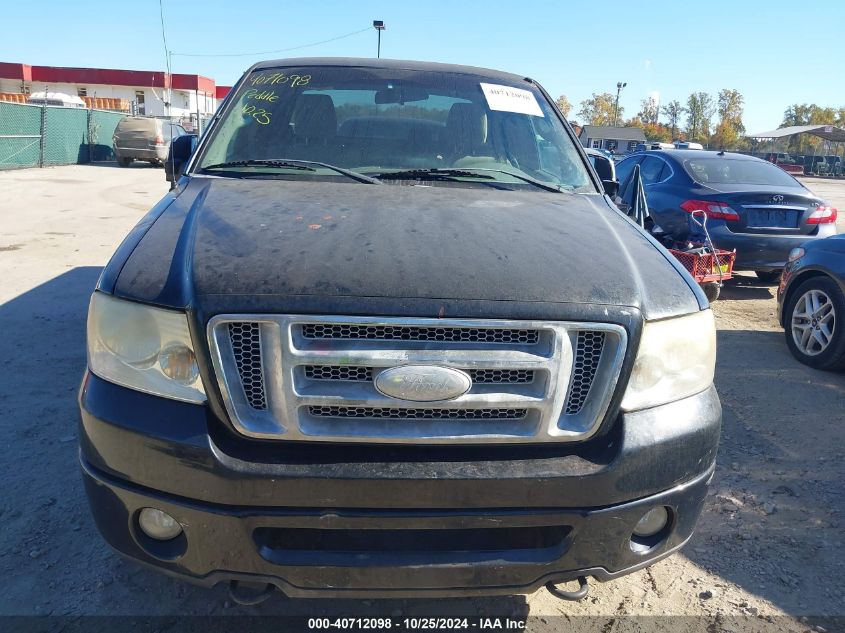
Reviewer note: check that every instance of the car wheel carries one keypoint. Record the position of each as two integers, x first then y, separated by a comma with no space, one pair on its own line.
815,324
768,276
123,161
711,291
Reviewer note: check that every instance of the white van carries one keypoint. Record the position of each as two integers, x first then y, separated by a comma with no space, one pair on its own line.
60,99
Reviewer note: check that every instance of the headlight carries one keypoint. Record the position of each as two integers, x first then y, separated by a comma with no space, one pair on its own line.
795,254
143,348
676,359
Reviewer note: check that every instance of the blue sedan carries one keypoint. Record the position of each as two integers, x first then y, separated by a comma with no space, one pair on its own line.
751,205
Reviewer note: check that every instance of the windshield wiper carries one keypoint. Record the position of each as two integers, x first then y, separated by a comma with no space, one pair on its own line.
528,179
438,173
295,163
435,173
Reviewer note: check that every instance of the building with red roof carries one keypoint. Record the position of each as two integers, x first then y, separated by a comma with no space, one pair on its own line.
191,96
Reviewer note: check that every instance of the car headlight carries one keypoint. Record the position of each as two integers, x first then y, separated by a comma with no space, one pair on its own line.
676,359
795,254
143,348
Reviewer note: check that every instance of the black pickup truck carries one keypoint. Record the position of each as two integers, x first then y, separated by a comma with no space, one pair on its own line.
389,336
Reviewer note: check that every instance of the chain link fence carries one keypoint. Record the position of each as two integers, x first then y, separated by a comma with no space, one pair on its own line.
37,136
20,135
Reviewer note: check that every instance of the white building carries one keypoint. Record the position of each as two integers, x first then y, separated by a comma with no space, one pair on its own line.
192,96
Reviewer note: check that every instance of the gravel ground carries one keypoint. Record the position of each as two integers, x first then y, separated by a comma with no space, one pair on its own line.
769,543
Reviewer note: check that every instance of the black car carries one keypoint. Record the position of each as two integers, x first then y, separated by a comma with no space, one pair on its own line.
363,348
811,303
751,205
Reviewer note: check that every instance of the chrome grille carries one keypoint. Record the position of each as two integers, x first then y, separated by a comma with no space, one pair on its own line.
501,376
312,378
246,345
419,414
338,372
347,372
345,331
587,356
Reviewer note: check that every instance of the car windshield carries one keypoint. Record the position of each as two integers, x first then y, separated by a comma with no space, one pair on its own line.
378,122
737,171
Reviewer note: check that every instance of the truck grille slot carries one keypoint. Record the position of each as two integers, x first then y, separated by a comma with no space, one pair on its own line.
419,414
311,378
338,372
363,374
409,540
246,345
409,333
587,356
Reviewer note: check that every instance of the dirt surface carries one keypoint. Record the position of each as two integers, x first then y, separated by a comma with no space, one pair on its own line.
770,541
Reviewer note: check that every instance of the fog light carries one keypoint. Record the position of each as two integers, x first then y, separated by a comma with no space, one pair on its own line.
652,522
158,524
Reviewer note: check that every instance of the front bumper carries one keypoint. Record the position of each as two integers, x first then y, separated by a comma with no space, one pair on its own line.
335,523
222,544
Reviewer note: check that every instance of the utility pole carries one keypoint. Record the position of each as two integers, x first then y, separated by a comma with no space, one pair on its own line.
378,25
619,86
169,84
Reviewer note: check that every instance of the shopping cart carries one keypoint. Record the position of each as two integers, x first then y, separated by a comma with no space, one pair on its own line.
708,265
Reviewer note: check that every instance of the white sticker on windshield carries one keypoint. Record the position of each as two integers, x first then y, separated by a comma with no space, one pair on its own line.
508,99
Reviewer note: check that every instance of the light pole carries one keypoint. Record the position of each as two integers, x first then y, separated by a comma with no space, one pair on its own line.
378,25
619,86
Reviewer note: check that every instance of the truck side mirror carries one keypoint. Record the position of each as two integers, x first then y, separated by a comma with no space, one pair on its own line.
611,187
181,150
606,171
603,166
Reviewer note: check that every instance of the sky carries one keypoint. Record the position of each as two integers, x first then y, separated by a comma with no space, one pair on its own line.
769,50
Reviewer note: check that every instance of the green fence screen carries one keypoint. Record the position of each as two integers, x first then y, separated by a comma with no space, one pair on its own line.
100,130
65,136
33,136
20,135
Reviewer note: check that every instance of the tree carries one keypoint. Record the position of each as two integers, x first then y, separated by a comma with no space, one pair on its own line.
564,106
809,114
649,111
730,127
657,132
700,112
600,109
674,111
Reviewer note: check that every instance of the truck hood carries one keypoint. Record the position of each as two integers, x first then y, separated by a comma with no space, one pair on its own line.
222,239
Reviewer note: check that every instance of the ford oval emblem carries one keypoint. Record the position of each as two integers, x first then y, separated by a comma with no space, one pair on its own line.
423,383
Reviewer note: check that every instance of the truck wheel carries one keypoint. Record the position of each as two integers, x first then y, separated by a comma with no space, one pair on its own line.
768,276
711,291
815,324
123,161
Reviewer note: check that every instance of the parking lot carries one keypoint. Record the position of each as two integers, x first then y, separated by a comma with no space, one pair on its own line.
769,543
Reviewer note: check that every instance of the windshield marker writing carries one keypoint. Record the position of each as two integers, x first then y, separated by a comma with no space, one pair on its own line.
262,95
281,79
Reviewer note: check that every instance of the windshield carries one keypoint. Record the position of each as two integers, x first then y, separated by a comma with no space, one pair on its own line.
737,171
376,121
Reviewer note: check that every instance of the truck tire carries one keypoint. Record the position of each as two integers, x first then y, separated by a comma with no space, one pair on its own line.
711,291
